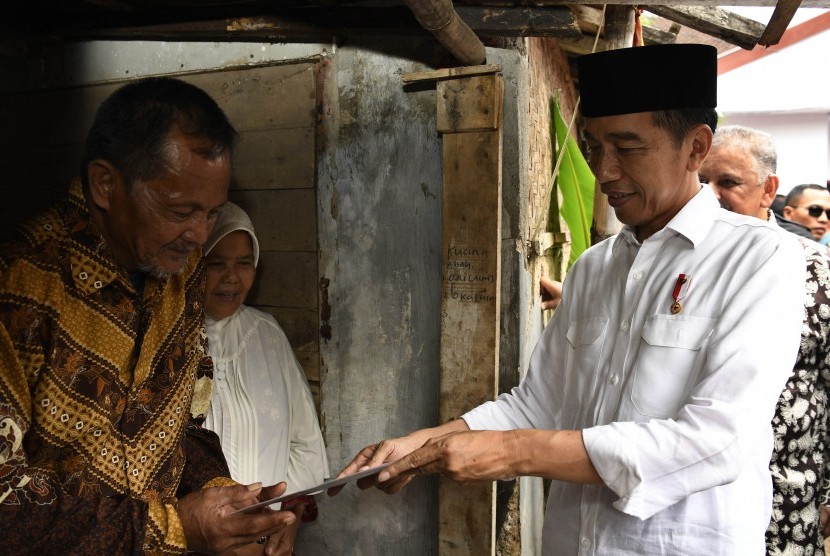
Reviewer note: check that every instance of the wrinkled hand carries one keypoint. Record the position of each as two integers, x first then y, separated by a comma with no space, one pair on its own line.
824,520
551,293
464,457
376,454
209,527
279,544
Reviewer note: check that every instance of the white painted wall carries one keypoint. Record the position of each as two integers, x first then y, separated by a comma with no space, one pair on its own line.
802,141
786,94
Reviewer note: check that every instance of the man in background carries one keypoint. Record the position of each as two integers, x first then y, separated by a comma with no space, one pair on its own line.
809,205
104,377
741,170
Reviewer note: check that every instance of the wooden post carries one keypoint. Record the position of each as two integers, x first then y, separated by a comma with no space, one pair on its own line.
469,116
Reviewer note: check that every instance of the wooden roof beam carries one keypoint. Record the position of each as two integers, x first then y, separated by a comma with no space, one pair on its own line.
781,17
725,25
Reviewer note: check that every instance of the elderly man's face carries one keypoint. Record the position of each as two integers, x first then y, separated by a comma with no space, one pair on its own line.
156,225
731,172
641,169
811,210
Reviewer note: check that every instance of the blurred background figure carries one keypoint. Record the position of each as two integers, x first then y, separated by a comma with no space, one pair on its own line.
809,205
261,405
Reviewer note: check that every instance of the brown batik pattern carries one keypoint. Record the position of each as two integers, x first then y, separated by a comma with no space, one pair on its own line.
96,384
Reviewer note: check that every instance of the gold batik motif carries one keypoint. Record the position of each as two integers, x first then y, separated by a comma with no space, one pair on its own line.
83,410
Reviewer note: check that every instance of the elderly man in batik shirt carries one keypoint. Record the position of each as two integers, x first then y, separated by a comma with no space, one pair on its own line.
102,343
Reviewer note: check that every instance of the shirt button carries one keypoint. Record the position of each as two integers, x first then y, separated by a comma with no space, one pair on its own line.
585,543
613,380
624,326
637,275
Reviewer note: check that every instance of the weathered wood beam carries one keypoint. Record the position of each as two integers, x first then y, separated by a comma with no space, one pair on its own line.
310,24
725,25
619,26
585,43
552,21
589,20
646,3
781,17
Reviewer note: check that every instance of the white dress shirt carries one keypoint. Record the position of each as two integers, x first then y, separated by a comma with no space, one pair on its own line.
261,406
675,409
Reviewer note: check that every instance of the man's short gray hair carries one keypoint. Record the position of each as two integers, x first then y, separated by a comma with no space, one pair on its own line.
758,143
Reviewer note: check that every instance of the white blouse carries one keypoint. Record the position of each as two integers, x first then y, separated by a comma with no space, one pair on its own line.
261,405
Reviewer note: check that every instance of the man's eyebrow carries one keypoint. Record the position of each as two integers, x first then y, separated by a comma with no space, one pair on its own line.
625,136
619,135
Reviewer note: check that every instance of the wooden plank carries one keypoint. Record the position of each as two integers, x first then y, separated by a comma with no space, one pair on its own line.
470,312
450,73
275,159
285,280
469,104
284,219
301,326
265,97
780,19
725,25
551,21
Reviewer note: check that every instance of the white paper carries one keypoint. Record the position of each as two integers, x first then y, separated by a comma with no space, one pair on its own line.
318,488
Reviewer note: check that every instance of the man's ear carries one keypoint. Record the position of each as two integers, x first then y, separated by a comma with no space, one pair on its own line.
770,189
103,178
701,144
787,212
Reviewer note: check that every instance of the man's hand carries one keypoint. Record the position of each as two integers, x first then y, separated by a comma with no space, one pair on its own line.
376,454
551,293
209,527
393,450
464,457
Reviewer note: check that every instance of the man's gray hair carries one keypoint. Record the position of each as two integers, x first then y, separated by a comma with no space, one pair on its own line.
758,143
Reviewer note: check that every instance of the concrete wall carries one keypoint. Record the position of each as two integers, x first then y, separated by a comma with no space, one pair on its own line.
379,190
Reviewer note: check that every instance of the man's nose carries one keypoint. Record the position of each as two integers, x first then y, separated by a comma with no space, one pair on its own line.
198,230
607,168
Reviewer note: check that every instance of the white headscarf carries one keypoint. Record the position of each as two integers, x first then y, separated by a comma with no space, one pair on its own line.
231,219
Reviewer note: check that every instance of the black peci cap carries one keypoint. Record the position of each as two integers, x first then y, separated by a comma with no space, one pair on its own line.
648,79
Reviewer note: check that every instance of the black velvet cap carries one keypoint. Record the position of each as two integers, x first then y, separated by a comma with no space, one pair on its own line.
648,79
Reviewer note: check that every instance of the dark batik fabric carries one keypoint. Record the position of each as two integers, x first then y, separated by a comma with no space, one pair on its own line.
800,458
96,385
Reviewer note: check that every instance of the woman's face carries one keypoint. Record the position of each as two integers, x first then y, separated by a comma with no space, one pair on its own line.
230,274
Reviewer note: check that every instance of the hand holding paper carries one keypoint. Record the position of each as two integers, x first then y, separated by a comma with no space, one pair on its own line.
332,483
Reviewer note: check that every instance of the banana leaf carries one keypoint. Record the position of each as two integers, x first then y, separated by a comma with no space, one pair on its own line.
576,182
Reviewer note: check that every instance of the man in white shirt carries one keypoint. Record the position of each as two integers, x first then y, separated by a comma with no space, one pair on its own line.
649,396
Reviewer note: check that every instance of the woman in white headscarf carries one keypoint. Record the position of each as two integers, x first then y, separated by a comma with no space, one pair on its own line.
261,406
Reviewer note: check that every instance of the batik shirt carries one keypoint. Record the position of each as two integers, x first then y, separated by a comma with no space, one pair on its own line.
96,385
800,459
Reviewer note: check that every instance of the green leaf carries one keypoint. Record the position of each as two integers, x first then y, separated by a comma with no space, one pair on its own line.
576,182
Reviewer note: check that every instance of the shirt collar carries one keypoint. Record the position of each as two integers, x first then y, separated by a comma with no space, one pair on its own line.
693,221
92,265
